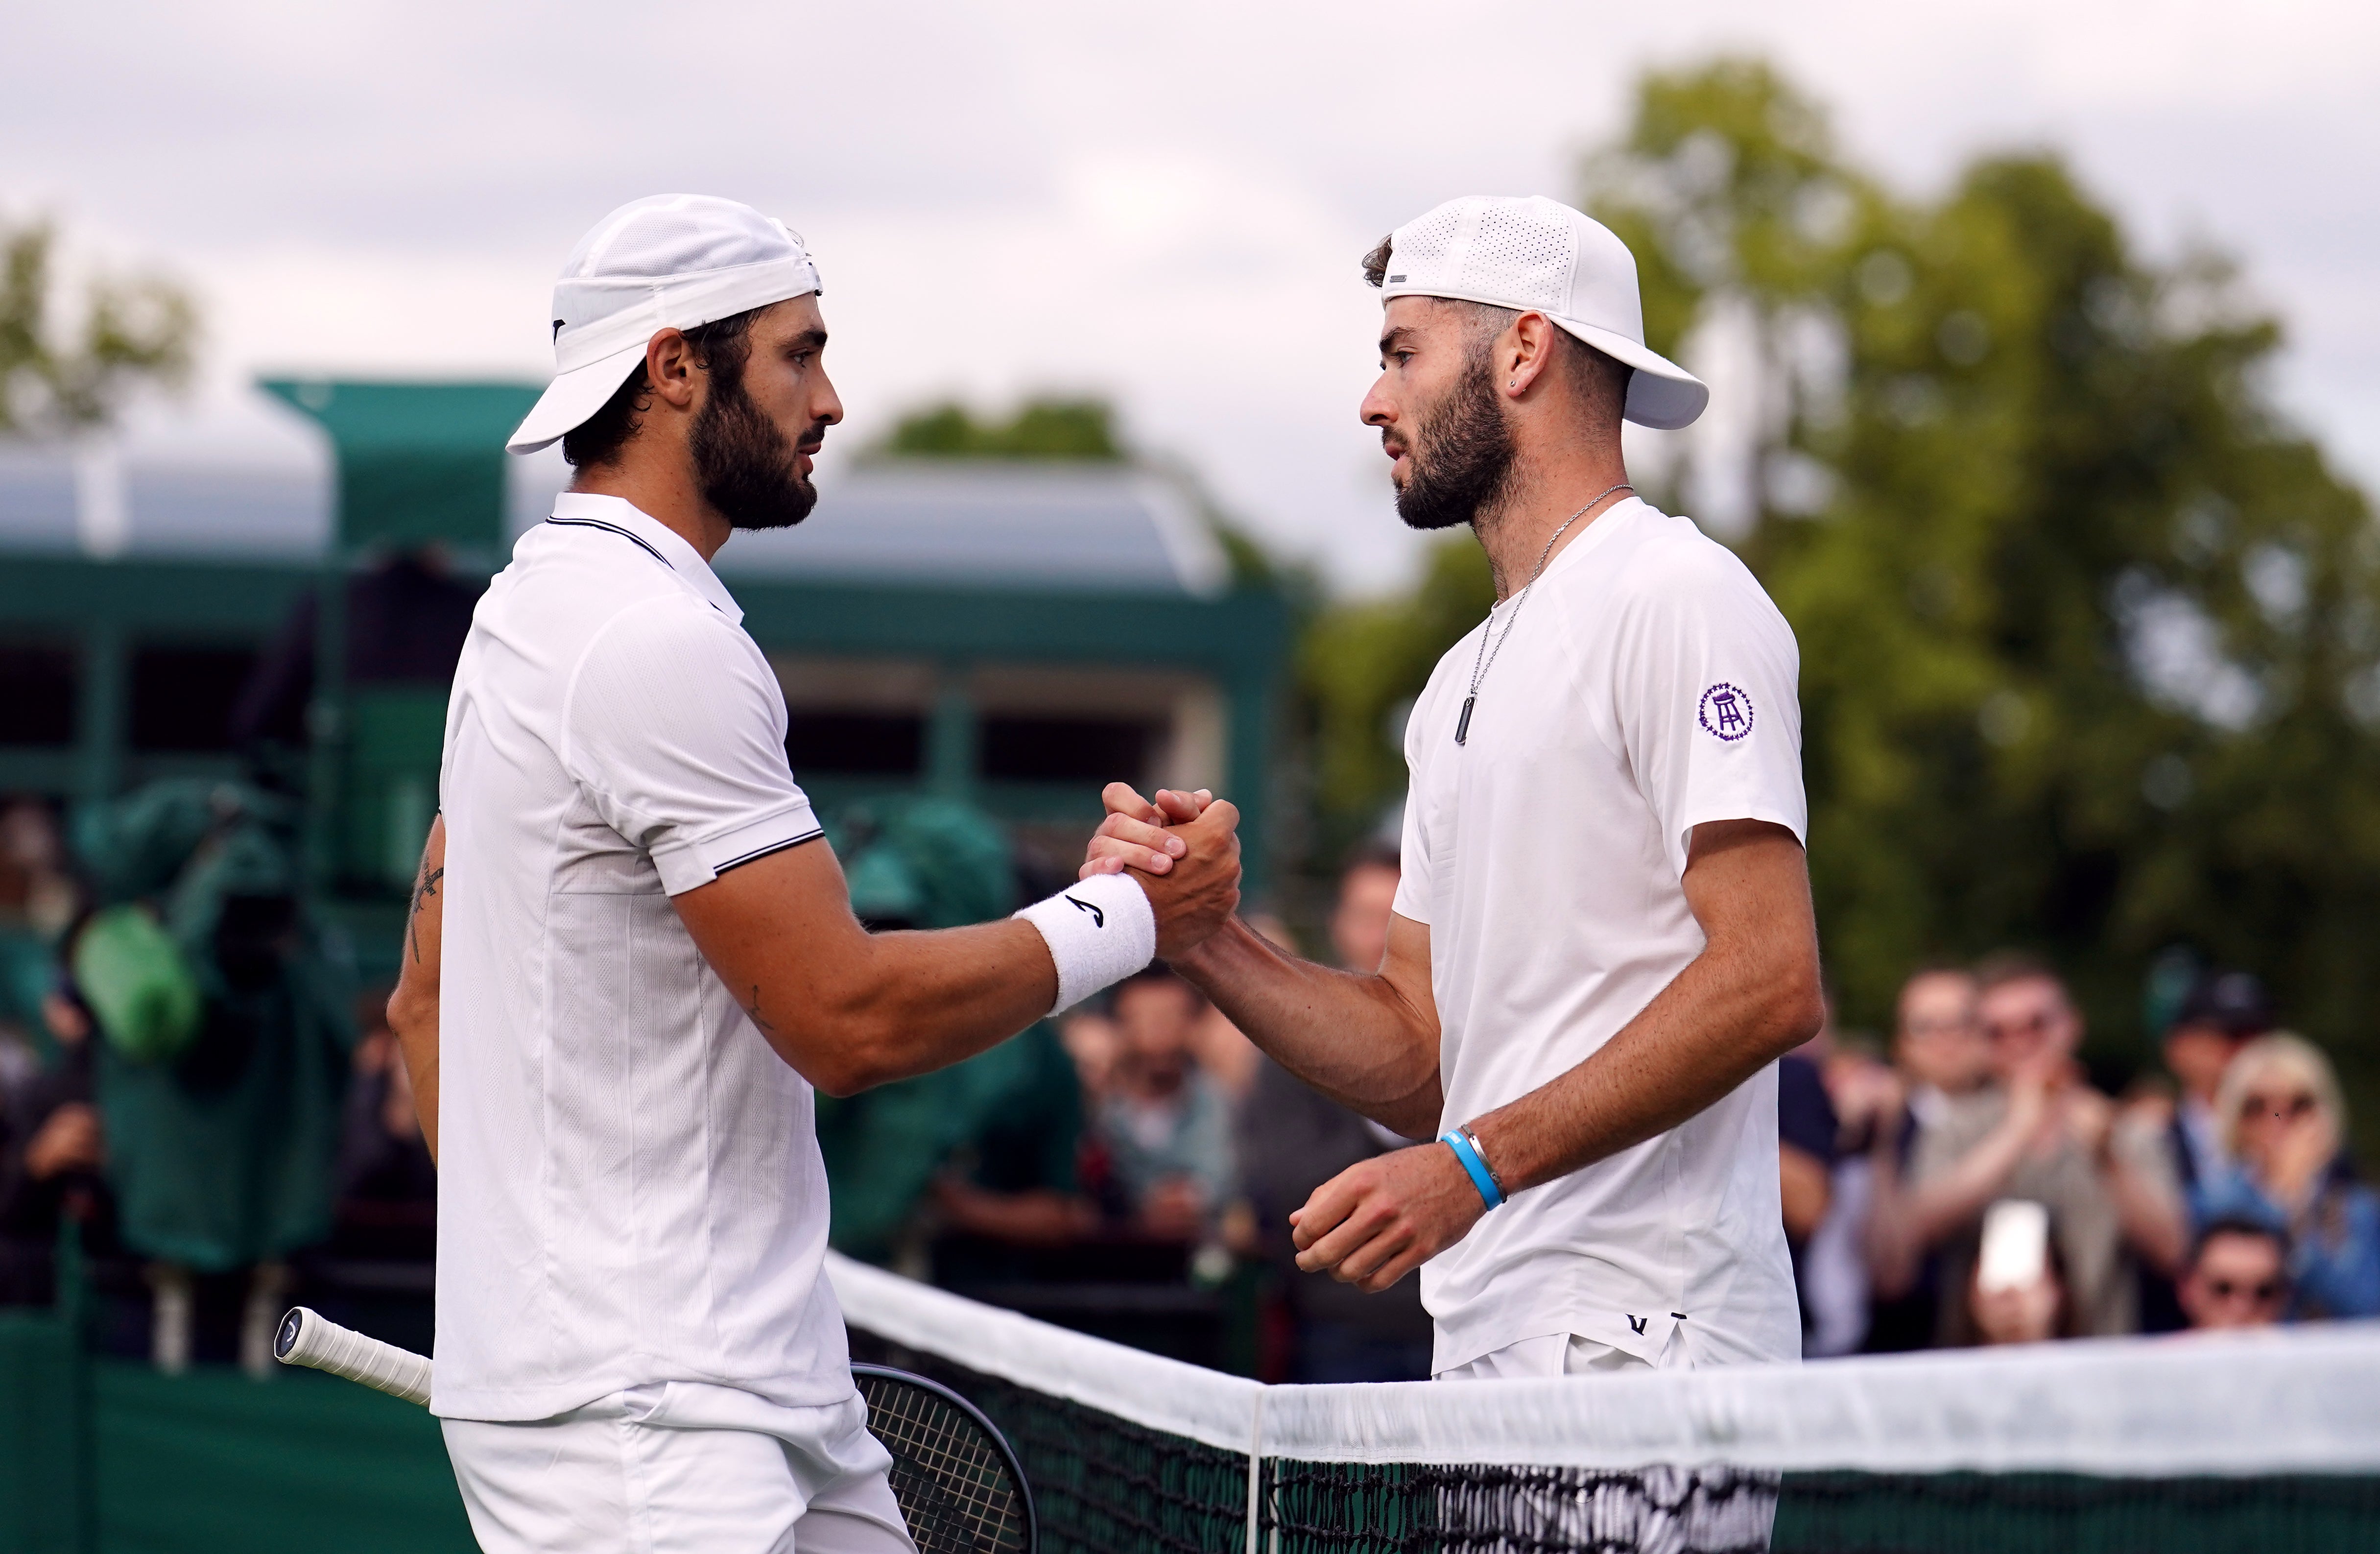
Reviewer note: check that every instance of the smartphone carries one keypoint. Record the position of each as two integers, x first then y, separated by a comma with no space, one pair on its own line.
2016,1245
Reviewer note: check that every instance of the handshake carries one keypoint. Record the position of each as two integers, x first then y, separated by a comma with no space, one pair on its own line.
1185,848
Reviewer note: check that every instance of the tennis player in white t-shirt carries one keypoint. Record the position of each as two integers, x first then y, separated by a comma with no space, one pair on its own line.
1603,937
631,955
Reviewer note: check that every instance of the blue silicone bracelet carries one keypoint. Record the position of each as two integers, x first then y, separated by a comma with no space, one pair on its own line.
1472,1166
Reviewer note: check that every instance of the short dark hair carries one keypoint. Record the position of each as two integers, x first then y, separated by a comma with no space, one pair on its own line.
1156,973
2003,966
723,346
1600,379
2240,1224
1376,851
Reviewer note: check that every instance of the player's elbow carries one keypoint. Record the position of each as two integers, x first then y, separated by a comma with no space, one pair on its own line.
844,1050
412,1008
1796,1008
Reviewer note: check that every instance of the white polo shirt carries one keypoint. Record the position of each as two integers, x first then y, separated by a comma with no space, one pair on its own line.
1649,687
629,1182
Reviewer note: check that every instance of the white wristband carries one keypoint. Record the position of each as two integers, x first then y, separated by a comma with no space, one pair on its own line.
1099,930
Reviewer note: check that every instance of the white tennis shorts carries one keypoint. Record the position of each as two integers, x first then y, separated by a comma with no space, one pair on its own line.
679,1468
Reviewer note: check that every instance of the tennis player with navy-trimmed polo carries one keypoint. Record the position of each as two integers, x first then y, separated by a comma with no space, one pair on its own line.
631,956
1603,938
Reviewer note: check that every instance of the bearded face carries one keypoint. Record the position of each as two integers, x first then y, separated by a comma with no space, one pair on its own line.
1460,456
748,470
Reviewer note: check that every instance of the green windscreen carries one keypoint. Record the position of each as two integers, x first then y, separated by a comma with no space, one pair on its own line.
418,462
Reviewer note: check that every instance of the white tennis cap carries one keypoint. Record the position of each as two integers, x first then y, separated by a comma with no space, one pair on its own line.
666,261
1539,255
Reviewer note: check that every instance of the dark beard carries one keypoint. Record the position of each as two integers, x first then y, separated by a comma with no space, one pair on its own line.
1461,457
744,464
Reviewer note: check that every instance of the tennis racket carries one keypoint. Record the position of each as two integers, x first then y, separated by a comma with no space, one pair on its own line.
959,1485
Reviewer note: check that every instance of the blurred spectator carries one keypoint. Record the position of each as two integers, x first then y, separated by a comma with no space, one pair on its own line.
1806,1131
407,618
1165,1124
2026,1302
2221,1013
1831,1269
2224,1011
2041,1134
2283,1124
1016,1181
1943,1066
38,900
222,1130
1294,1139
2237,1276
53,1154
388,1185
1090,1036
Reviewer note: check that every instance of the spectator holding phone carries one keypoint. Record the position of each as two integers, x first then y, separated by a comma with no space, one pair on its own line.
2019,1293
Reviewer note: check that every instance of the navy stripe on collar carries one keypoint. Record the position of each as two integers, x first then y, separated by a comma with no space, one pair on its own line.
614,528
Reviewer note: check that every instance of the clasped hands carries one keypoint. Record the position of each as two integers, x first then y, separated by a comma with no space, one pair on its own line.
1379,1219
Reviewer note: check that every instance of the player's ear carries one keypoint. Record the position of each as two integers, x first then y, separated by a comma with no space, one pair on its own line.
671,367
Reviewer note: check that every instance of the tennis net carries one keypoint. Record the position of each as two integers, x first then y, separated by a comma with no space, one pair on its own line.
2265,1441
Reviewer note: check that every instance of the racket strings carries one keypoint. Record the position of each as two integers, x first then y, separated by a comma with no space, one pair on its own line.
972,1504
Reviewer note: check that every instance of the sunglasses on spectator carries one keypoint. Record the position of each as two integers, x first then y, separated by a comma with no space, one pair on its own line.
2263,1294
2293,1108
2033,1025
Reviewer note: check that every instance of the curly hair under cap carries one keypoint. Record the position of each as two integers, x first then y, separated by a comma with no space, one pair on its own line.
721,346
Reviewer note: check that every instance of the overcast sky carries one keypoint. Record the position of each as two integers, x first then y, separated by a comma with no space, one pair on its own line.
1164,204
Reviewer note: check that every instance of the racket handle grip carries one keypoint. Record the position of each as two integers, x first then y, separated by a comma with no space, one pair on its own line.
307,1338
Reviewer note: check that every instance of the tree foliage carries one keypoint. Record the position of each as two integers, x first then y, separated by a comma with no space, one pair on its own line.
2090,635
55,377
1059,429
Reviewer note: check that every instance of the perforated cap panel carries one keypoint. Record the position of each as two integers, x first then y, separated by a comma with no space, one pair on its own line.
1535,254
1515,252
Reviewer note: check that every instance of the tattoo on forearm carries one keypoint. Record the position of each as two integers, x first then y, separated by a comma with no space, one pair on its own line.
425,885
752,1008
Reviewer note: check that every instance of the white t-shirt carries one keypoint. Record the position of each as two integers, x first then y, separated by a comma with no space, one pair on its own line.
1649,686
629,1182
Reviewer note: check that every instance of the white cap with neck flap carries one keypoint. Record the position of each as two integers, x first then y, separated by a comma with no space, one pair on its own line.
1538,255
666,261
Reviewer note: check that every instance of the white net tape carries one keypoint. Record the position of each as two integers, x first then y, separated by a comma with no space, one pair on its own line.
2298,1400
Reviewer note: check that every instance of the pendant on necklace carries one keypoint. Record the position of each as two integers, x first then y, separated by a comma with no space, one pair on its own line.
1463,724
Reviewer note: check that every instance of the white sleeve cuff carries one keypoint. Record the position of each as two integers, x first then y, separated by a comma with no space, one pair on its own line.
1100,931
688,864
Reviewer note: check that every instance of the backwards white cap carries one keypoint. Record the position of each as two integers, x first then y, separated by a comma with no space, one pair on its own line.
1539,255
666,261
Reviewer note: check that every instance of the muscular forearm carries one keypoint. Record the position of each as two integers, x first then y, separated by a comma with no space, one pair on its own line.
414,1021
908,1004
413,1007
1725,1016
1359,1040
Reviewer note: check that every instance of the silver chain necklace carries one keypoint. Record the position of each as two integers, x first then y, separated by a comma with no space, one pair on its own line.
1483,661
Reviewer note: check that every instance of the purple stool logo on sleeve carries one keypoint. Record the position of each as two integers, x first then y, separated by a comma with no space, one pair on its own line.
1726,712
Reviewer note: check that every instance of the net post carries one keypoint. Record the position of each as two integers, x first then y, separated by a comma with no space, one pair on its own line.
1256,1465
